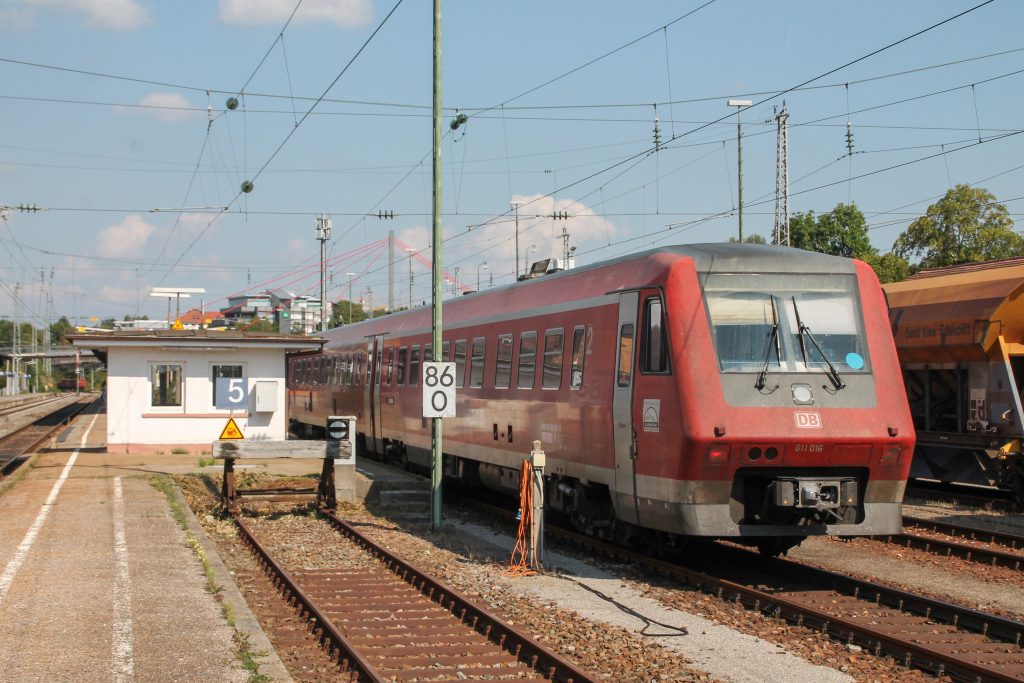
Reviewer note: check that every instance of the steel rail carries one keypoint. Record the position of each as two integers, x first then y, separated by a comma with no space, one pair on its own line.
876,641
968,532
506,636
993,558
348,656
45,431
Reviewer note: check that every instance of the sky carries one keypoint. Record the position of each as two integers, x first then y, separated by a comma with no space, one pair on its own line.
115,123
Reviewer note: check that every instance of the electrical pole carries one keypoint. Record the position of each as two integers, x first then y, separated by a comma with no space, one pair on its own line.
782,178
323,233
350,297
411,252
515,205
391,271
739,104
436,447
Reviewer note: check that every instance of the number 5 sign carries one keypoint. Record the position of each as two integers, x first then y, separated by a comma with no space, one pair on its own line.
231,393
439,390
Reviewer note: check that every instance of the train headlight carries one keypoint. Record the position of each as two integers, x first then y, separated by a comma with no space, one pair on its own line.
891,454
718,453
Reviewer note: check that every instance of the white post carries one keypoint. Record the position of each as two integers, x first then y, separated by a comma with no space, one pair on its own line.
537,459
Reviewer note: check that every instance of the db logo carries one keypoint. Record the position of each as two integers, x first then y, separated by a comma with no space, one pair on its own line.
807,420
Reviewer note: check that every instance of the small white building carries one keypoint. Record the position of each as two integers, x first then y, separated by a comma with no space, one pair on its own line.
176,389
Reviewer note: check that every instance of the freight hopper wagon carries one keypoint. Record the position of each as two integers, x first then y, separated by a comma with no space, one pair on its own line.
734,391
959,333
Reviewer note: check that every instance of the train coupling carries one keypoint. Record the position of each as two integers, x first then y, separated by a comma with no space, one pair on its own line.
818,494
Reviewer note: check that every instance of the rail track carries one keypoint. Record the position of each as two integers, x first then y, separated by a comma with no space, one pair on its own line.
917,631
15,446
382,619
966,548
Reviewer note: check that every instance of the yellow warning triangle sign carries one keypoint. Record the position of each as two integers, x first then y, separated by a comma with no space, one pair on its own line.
231,431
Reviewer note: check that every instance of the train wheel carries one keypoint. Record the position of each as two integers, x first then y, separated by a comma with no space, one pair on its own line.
777,545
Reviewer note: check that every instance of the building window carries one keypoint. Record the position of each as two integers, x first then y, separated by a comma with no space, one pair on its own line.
166,381
460,363
553,342
527,360
414,366
576,374
503,365
402,355
228,371
476,365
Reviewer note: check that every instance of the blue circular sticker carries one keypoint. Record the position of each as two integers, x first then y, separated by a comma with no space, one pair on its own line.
854,361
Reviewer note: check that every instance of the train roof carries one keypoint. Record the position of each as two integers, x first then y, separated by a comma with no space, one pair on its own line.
958,312
597,279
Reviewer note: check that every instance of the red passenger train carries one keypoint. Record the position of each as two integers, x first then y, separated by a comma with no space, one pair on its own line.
723,390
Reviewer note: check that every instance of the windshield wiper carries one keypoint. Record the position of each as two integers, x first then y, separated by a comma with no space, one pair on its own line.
831,373
773,336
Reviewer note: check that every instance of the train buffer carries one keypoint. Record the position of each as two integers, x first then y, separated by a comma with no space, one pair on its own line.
338,450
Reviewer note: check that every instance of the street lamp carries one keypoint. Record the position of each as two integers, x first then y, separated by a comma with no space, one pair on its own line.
350,297
739,104
516,205
526,260
484,266
323,233
411,252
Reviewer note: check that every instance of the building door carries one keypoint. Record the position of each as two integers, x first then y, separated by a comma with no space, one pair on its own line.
626,506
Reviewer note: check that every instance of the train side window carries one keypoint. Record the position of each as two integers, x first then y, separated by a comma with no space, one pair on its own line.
553,346
338,365
579,334
391,366
358,374
625,374
414,366
403,354
460,363
654,352
503,362
377,365
446,349
527,360
476,365
321,364
428,353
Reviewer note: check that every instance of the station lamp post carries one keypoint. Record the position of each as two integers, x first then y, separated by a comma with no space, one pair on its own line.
739,104
411,252
350,297
323,233
484,266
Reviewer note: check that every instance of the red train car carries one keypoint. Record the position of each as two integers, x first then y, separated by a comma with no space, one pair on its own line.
723,390
71,384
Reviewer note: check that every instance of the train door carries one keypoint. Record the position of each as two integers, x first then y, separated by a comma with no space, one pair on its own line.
371,392
626,507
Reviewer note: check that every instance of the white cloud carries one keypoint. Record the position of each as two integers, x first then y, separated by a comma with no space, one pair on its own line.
127,238
163,106
118,15
539,235
15,19
255,12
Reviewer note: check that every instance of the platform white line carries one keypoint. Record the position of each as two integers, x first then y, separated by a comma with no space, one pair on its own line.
33,531
124,653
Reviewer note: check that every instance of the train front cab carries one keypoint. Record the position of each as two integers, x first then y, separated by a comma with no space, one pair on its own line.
791,418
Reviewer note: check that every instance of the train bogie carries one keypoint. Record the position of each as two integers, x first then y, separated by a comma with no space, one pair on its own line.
718,390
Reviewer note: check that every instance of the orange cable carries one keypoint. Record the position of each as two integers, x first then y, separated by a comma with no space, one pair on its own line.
517,565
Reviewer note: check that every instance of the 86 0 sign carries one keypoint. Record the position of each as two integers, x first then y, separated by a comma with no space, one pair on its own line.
439,390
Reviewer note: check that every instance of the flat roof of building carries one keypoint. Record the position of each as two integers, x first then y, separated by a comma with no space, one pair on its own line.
194,338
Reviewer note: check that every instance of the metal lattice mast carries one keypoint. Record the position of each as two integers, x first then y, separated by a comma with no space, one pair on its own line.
782,178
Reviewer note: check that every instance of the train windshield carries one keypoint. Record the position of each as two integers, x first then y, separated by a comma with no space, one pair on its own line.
799,323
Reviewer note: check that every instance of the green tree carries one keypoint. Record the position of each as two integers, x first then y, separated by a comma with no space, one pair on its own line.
843,231
750,239
966,225
340,313
889,267
60,329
